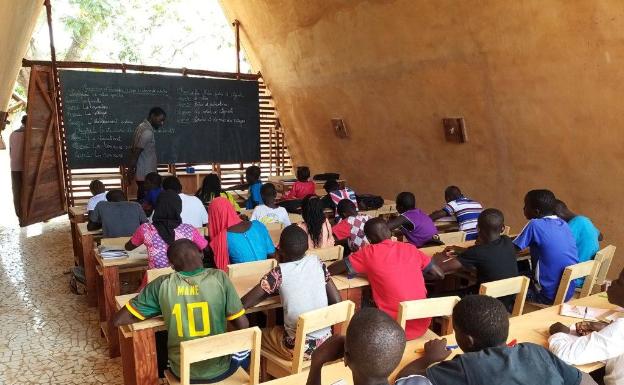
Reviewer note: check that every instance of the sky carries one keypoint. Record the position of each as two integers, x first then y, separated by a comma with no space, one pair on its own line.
196,29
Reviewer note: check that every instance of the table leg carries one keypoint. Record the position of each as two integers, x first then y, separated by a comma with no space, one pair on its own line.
138,357
101,301
355,295
89,265
78,261
110,283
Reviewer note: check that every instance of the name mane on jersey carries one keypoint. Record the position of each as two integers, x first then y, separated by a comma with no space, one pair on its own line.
188,290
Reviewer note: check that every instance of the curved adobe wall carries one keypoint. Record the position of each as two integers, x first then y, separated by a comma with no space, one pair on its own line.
540,85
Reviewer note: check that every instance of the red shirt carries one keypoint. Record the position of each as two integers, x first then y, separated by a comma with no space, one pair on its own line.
301,190
342,230
394,270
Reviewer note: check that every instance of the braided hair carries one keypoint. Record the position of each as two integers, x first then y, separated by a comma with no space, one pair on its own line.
314,218
211,188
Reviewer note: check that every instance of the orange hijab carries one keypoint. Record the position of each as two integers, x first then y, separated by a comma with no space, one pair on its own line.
221,215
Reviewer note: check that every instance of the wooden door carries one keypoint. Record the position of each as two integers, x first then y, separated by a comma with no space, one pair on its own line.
43,193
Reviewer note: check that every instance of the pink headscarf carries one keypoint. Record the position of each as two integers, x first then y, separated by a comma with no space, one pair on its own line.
221,215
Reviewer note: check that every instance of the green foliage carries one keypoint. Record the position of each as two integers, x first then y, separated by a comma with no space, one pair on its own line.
180,33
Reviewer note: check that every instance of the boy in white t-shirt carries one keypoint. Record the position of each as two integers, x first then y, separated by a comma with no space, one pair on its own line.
193,210
270,212
98,190
304,284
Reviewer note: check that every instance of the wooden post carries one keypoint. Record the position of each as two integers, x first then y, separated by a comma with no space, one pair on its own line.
271,132
236,25
60,125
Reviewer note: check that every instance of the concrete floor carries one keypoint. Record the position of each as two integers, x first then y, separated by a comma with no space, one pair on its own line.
47,334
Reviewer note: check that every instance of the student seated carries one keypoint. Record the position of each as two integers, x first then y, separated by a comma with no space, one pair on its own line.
315,224
552,245
116,216
211,188
372,349
493,255
193,210
252,175
335,194
481,326
209,291
233,240
98,192
585,233
394,270
269,212
303,186
350,229
415,225
303,283
596,341
465,210
152,186
166,227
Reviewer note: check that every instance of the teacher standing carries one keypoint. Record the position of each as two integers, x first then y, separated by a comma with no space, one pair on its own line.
142,158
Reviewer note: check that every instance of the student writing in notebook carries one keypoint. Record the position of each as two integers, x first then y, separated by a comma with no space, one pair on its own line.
596,341
481,325
208,294
304,284
493,256
116,216
464,209
415,225
395,271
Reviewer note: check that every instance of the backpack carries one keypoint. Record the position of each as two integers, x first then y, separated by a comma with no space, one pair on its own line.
326,176
369,202
77,281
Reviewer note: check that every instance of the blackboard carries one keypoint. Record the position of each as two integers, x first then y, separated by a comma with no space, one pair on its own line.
208,120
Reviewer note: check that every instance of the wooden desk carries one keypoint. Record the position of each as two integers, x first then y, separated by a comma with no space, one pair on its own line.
331,374
355,287
531,327
108,287
87,239
446,225
76,215
389,207
137,343
430,251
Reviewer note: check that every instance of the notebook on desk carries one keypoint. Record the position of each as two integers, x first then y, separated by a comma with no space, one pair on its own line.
112,252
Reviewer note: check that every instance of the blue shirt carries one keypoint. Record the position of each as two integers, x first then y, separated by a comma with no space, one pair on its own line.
255,198
252,245
553,248
586,236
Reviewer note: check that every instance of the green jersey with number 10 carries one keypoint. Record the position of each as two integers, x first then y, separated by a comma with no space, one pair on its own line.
193,304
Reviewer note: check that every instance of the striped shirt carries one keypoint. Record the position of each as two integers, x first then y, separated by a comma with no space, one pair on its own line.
466,211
